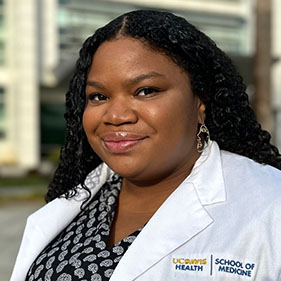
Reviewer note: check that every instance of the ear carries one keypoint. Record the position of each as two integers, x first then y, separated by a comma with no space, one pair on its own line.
201,112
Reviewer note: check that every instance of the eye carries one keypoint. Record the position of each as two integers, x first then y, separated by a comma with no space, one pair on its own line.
97,97
147,91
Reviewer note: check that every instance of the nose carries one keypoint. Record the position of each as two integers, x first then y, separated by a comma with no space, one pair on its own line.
120,111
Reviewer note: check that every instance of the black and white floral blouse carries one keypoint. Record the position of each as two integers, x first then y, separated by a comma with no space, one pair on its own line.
79,252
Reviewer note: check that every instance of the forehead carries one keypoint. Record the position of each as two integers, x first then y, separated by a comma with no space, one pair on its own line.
132,55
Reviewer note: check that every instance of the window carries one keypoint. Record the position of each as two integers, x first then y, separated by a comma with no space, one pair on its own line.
2,45
2,113
62,2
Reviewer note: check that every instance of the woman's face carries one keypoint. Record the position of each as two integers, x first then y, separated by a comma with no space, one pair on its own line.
141,116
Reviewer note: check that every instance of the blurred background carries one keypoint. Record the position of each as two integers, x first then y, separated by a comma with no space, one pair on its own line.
39,44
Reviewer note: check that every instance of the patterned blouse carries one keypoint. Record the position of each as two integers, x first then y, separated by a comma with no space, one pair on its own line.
79,252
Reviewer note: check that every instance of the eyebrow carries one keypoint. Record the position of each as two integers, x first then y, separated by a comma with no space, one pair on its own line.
95,84
143,77
129,81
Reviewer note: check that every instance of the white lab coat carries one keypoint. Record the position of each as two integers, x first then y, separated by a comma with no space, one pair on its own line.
222,223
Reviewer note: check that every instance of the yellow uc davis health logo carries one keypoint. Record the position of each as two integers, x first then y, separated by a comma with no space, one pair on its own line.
188,264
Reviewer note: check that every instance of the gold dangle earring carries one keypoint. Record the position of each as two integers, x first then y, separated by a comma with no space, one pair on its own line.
205,138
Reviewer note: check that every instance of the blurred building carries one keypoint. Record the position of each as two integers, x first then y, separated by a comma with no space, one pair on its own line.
19,96
39,43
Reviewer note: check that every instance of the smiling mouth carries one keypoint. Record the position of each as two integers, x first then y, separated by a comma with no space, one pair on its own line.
121,142
121,146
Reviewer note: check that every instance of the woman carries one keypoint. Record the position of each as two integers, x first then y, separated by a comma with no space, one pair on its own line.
141,192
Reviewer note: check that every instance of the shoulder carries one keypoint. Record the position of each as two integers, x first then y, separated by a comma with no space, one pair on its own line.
254,191
235,163
255,181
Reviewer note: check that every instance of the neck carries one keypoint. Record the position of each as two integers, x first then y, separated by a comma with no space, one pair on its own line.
148,195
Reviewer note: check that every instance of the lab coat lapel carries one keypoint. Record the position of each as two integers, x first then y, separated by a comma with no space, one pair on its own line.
172,225
179,219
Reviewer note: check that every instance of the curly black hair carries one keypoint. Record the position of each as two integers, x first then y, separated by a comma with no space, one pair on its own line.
229,117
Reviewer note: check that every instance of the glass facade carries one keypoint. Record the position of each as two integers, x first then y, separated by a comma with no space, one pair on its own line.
228,34
75,26
52,124
79,19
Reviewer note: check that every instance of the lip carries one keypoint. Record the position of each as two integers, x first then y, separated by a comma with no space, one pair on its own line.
121,142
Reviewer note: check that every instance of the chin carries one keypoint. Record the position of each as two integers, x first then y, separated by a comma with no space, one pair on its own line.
126,170
127,173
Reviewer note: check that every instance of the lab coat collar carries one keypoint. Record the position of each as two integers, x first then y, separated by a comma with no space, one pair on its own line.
207,176
179,219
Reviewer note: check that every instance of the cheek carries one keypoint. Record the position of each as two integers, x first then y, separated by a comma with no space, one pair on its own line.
90,125
90,121
180,132
174,116
85,121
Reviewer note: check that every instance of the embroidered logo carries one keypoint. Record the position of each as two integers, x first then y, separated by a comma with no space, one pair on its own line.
234,267
214,265
189,264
